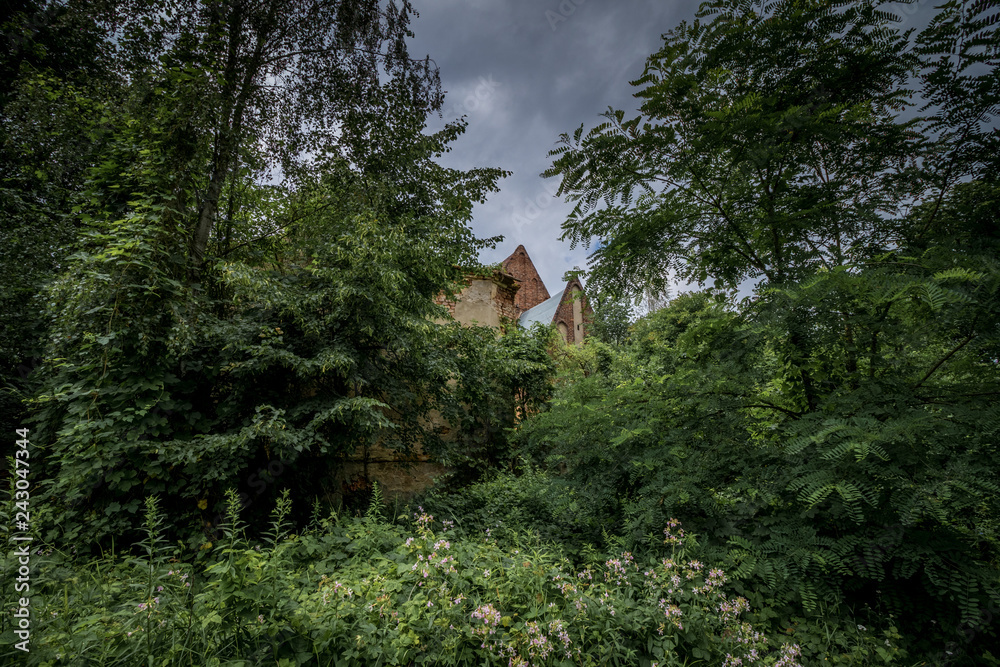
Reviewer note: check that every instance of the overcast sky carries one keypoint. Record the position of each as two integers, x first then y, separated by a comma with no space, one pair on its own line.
524,71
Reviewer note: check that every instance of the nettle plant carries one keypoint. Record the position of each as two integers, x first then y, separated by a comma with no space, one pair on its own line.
446,601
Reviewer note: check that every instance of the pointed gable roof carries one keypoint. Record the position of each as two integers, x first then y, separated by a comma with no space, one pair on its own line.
568,307
544,312
532,290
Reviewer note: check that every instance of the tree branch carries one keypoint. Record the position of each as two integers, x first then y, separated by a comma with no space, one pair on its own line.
278,229
944,359
330,49
771,406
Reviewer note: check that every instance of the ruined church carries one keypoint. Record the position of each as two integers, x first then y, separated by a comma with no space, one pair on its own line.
516,292
513,293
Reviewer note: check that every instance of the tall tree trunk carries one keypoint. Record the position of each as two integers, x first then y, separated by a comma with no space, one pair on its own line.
236,92
227,130
206,216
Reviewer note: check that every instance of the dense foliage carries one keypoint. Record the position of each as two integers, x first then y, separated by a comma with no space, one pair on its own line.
364,591
50,68
226,235
834,435
207,324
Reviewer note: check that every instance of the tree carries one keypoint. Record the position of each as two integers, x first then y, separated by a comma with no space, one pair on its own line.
768,146
52,71
275,79
215,328
612,316
772,146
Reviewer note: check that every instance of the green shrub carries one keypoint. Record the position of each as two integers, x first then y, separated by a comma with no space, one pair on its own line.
508,507
878,504
362,592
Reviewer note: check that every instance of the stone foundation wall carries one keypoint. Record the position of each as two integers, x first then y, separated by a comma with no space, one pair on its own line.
397,480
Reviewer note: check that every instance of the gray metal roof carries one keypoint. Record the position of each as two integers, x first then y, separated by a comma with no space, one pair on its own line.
543,312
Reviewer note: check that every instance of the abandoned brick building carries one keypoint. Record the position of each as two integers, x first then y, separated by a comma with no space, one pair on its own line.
516,292
568,309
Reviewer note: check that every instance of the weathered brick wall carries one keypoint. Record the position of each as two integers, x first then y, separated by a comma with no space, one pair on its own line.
443,300
399,476
402,476
575,312
506,299
488,300
532,290
502,299
564,315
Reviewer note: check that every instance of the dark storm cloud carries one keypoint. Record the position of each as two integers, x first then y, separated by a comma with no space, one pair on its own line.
524,71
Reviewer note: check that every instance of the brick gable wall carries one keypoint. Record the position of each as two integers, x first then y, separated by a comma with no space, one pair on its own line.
569,314
532,290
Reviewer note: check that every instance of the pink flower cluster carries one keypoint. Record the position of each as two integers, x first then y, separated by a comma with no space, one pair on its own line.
539,645
672,612
423,519
148,606
488,615
427,564
182,576
672,537
616,572
714,580
730,609
745,634
556,628
337,587
789,656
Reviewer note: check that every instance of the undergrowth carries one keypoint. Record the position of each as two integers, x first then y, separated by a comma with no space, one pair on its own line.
363,591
